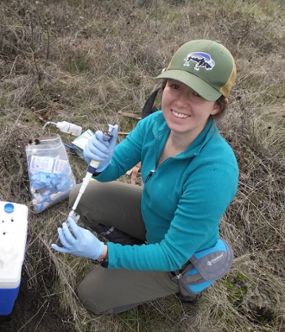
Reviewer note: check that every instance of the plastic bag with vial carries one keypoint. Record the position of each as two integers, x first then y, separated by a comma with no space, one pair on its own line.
50,174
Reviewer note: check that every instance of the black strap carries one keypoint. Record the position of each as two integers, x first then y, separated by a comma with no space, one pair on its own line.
149,104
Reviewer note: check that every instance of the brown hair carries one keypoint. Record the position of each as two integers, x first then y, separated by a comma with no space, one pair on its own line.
222,103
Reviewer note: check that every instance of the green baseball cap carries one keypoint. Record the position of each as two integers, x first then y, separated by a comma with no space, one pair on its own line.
205,66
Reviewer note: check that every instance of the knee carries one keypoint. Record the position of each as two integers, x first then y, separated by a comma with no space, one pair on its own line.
92,298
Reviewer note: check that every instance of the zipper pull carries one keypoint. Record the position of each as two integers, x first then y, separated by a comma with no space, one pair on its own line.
150,174
176,275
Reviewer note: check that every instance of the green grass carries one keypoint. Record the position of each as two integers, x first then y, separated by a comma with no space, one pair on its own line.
237,288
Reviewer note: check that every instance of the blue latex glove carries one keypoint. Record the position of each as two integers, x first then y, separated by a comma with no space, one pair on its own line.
100,149
78,241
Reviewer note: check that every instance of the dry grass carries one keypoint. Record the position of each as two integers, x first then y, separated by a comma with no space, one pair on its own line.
84,61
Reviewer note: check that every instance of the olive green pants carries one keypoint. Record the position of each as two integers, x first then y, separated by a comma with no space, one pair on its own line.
111,291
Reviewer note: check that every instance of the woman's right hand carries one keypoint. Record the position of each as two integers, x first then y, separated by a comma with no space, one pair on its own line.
100,149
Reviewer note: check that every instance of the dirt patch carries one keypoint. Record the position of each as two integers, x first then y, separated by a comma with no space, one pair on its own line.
34,311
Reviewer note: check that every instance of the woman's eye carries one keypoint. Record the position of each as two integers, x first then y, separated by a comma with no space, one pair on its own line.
196,94
174,86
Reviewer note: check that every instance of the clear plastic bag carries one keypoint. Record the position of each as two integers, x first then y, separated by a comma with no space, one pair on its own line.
50,174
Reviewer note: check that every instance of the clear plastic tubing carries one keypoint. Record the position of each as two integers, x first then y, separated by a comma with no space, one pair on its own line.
66,127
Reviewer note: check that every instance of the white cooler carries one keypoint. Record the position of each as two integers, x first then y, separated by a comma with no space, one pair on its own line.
13,237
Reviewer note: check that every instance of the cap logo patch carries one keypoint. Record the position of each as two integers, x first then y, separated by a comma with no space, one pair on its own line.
201,60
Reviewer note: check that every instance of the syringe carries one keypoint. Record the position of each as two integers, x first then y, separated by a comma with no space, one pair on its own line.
92,167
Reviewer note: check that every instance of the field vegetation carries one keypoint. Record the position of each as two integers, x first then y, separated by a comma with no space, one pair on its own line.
88,62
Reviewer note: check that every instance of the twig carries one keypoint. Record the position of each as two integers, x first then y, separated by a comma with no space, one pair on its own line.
13,65
130,115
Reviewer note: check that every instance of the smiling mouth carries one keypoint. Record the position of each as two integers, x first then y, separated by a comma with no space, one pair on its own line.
180,115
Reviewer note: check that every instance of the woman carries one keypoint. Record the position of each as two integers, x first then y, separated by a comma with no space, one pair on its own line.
190,176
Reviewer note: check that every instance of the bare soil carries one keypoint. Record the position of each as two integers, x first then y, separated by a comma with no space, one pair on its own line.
33,311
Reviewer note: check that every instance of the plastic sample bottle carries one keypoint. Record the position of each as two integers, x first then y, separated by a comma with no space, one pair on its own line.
66,127
69,128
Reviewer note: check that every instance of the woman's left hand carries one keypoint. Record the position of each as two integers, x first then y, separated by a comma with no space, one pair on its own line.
78,241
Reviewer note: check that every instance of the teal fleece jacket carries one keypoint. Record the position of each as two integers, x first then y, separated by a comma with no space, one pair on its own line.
183,199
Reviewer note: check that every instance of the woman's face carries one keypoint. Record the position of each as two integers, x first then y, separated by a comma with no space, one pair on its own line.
184,110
